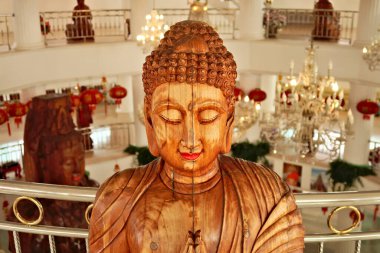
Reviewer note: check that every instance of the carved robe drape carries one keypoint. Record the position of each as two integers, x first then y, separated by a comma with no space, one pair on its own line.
259,212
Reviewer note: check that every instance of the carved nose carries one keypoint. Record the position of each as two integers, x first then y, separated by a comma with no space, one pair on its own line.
190,136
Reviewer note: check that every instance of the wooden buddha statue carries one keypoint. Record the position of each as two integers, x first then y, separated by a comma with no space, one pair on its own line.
193,198
54,154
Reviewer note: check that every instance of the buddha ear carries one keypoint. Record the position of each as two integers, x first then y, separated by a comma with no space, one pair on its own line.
228,134
151,136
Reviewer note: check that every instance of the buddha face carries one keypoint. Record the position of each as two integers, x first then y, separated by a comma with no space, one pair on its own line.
188,126
65,165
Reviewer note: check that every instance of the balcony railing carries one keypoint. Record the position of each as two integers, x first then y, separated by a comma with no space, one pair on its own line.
223,20
100,25
6,26
107,137
83,194
111,136
308,23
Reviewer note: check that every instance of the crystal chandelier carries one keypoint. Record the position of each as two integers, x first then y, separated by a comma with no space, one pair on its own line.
371,54
307,116
246,115
152,32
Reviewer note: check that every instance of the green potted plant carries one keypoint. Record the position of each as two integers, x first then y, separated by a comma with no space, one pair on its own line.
345,175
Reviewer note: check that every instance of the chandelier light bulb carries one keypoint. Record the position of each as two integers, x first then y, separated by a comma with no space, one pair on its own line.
293,82
350,117
334,86
258,107
365,50
296,97
148,17
284,98
341,95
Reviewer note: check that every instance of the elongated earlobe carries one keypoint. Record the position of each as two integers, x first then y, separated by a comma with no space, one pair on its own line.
228,135
152,143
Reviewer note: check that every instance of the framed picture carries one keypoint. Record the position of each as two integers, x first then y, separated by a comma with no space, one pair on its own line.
319,180
292,174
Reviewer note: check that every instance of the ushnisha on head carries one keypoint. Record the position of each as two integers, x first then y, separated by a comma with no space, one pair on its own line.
191,52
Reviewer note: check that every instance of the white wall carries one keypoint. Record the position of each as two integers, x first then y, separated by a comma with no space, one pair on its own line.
6,6
81,61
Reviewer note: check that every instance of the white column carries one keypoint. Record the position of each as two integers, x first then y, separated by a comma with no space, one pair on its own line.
138,102
357,149
250,19
369,21
268,84
139,10
27,24
248,82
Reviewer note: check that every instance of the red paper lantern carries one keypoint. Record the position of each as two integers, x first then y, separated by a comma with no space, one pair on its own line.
118,93
75,101
353,215
257,95
17,110
367,107
91,97
4,118
239,93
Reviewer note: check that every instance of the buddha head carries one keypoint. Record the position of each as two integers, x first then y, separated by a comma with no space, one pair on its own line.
189,98
62,159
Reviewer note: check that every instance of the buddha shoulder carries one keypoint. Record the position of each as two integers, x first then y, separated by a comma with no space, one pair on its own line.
254,172
121,180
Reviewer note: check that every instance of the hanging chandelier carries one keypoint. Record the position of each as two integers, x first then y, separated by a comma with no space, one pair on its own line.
307,116
198,11
371,54
152,32
247,111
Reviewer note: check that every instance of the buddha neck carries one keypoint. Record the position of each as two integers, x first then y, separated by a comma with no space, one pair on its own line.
188,185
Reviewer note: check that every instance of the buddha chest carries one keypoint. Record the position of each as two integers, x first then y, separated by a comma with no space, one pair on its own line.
166,220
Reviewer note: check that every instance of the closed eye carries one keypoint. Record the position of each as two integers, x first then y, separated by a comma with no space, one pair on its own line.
208,116
171,116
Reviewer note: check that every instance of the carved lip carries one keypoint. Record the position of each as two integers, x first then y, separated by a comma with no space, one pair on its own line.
190,156
76,177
